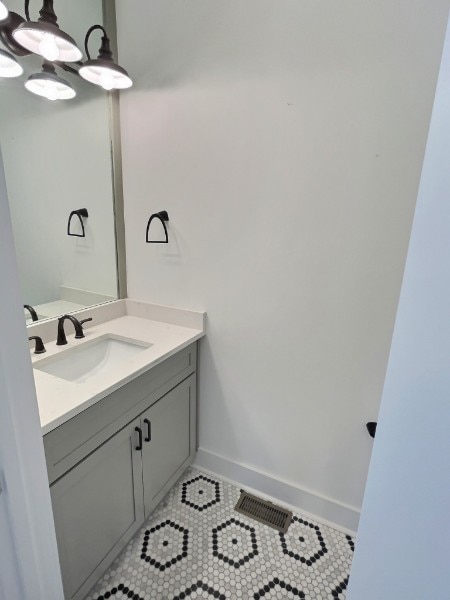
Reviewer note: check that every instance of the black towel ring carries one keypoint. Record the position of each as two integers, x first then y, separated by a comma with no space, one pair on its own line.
371,428
163,216
81,212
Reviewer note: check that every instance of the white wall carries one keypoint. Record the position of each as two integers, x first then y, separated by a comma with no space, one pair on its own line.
285,139
402,547
58,158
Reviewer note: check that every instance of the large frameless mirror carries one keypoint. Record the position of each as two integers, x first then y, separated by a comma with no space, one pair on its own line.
63,176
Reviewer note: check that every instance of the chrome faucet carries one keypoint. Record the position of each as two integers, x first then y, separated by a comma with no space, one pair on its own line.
61,339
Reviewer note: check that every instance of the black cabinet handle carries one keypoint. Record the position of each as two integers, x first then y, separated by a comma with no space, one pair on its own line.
139,430
149,430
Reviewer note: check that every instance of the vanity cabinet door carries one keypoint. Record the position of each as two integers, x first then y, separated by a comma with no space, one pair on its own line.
97,506
169,431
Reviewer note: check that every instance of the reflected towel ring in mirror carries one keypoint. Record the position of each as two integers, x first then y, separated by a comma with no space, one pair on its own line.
81,212
162,216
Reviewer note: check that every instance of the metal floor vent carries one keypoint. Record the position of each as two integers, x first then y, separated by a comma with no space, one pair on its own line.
263,511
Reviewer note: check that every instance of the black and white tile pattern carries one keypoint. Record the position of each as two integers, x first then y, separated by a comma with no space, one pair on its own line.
196,546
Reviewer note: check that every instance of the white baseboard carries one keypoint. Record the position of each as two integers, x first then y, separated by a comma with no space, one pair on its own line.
325,510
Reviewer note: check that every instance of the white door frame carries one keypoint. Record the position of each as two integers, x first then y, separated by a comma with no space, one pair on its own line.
29,565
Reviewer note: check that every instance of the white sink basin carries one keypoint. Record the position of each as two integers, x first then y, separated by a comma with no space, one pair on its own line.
92,359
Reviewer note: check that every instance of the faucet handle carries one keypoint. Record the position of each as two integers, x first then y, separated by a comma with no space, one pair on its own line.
85,320
80,334
39,347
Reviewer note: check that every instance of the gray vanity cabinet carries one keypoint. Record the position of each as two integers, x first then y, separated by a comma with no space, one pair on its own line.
111,465
166,440
97,507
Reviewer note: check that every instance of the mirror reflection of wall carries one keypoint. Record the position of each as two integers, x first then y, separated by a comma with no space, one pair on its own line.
57,158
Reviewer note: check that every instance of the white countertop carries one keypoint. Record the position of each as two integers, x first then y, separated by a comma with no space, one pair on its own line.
59,400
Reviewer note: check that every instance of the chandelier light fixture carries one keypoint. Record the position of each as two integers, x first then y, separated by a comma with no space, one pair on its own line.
9,67
3,12
44,37
22,36
103,71
49,85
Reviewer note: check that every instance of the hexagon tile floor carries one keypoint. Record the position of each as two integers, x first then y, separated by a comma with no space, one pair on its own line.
195,545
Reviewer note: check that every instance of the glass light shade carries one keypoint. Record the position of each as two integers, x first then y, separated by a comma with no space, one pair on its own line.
3,12
48,41
50,86
9,67
106,74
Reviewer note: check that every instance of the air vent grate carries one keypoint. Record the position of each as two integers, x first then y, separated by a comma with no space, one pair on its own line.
263,511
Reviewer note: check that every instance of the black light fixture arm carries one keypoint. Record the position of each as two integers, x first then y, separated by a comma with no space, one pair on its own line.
48,67
47,12
105,48
68,68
